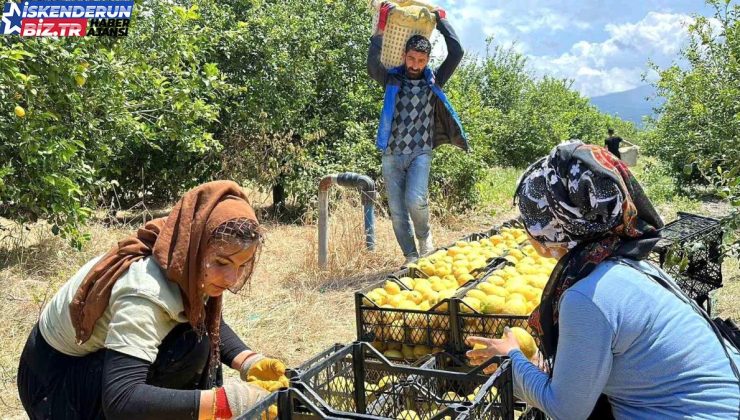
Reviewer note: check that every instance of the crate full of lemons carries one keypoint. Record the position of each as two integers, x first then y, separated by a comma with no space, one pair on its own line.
408,316
506,296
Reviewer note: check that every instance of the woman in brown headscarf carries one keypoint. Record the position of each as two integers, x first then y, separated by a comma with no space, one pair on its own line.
138,332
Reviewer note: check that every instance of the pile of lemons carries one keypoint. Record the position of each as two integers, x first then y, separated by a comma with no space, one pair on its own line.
340,396
447,271
406,352
461,260
515,289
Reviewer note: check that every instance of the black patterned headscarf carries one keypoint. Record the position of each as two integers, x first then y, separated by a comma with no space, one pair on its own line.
583,198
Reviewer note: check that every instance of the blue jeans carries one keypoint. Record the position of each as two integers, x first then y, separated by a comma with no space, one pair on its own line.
407,181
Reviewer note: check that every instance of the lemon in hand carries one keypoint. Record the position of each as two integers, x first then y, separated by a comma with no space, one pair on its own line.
526,342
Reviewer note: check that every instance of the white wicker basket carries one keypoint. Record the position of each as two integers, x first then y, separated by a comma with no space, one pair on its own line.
629,153
408,18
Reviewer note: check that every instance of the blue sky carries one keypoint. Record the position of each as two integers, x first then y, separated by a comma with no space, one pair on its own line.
604,46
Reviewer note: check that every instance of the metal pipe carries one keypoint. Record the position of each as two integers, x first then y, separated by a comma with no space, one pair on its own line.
369,215
366,186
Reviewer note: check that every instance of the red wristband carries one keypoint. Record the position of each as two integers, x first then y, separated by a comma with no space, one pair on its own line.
222,404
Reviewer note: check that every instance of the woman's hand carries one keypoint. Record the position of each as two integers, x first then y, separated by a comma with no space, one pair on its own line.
239,396
254,366
485,348
231,400
264,369
266,373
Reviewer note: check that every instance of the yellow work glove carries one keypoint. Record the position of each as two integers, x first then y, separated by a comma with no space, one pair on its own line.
242,396
270,386
262,368
272,413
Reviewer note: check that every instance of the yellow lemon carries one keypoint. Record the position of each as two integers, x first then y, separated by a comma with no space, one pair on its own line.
419,336
430,296
393,354
375,298
531,293
478,294
526,342
471,305
395,300
486,288
450,283
396,331
464,279
393,346
407,281
517,254
515,307
421,351
19,111
516,282
408,352
451,396
454,250
392,288
496,280
407,305
443,270
388,316
416,296
511,259
499,291
386,380
493,305
421,284
427,269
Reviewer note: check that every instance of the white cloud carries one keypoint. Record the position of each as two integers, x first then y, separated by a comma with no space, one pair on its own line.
547,20
618,63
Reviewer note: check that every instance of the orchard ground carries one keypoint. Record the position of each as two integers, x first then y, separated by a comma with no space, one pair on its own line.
292,310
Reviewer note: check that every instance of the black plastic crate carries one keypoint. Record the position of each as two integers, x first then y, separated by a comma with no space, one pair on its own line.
698,239
408,327
470,322
434,328
356,381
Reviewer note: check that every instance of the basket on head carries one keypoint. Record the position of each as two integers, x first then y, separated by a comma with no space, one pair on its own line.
408,18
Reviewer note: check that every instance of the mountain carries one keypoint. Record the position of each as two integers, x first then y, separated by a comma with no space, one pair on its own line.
630,105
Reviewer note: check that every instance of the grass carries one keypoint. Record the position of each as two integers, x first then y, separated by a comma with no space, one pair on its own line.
292,309
497,190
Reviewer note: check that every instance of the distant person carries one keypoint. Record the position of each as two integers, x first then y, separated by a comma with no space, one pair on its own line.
612,143
416,118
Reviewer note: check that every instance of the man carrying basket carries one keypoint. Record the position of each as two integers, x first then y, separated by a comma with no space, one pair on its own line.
415,119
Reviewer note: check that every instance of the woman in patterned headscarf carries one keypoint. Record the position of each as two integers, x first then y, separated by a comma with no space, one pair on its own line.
606,327
138,333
